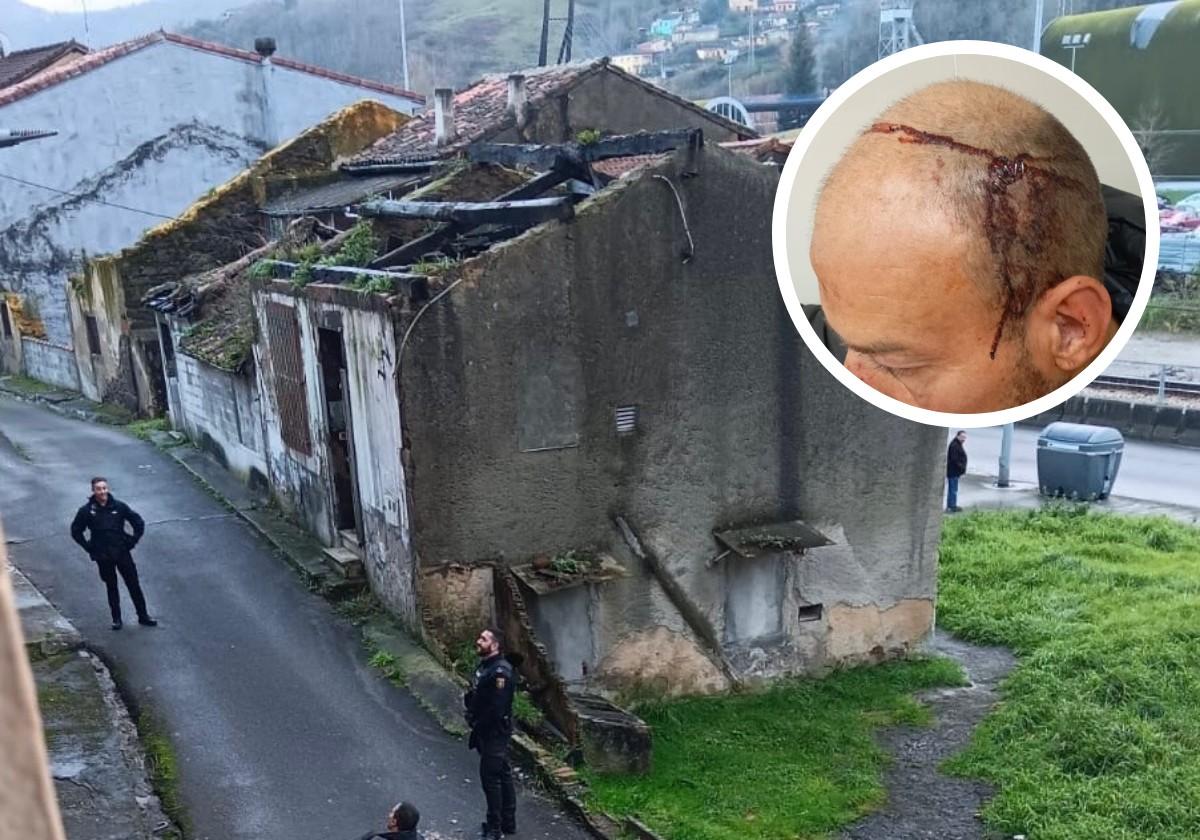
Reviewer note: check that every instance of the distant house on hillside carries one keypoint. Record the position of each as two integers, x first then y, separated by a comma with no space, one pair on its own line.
144,127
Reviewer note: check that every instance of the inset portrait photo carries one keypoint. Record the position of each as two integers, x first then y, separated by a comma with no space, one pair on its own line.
965,234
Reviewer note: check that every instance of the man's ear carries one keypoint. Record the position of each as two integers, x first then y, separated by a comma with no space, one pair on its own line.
1071,323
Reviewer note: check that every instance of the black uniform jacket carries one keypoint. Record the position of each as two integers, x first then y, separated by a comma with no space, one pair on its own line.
100,529
489,702
956,459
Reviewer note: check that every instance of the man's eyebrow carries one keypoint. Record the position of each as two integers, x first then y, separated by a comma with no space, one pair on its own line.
878,348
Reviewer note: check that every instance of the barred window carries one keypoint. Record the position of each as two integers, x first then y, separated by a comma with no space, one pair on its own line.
283,332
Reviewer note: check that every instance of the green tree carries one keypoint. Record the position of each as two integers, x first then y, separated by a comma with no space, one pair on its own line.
801,72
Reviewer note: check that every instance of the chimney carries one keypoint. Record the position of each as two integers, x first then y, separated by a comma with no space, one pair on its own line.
264,47
443,116
516,94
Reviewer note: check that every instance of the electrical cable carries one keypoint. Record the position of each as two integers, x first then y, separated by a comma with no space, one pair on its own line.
87,198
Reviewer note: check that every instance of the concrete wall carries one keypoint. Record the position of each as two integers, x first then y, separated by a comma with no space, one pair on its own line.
219,411
302,481
48,363
510,386
108,374
152,131
615,104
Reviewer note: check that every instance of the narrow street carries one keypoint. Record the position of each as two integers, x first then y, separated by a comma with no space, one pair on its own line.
280,727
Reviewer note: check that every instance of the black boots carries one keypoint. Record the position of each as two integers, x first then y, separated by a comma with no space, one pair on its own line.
147,621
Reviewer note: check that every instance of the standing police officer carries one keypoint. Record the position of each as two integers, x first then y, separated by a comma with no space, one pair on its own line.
489,713
103,517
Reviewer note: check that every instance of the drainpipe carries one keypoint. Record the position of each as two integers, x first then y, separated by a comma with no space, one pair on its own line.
265,47
443,116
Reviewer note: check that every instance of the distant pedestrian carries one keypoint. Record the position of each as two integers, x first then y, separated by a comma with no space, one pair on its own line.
401,824
99,528
956,467
489,712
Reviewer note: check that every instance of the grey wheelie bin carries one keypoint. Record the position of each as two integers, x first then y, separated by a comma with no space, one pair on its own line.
1078,461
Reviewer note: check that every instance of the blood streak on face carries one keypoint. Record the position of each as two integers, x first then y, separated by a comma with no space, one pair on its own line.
1016,225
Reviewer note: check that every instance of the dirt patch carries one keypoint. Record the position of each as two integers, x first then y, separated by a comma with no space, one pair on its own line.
922,803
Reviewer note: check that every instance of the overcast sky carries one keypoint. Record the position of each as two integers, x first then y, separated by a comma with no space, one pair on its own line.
78,5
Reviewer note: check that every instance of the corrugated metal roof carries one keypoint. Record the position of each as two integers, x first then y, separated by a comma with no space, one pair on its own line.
346,190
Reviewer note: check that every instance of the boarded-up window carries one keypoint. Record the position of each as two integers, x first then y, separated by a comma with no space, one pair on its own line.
283,332
6,322
93,334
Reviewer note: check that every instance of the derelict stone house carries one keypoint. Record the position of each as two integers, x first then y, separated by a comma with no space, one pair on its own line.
578,402
143,128
206,339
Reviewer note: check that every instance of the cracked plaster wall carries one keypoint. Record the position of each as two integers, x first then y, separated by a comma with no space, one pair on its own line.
737,423
304,482
153,130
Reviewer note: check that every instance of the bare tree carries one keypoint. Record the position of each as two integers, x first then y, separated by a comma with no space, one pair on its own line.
1151,128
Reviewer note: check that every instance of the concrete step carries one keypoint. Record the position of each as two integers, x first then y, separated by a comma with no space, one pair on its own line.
349,540
345,562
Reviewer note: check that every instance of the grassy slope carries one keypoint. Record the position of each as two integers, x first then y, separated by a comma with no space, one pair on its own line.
792,762
1099,734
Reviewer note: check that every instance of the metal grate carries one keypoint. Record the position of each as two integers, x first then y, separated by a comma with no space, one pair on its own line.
283,333
627,416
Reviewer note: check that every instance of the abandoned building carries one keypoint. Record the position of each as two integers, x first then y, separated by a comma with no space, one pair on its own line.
555,104
143,128
574,400
117,338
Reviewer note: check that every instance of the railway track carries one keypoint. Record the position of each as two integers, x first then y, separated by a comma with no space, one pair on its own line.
1149,383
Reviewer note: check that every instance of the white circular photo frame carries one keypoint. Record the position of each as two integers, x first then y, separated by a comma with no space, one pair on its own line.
846,114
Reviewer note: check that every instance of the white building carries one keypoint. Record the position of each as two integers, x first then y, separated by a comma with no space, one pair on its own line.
143,128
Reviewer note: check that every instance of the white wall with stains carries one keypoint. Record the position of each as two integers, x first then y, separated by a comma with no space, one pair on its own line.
153,130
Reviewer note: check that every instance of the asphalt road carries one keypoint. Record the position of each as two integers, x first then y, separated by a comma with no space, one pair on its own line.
281,729
1153,472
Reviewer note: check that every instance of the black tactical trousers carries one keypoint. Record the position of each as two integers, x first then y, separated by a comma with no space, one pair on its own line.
495,773
122,563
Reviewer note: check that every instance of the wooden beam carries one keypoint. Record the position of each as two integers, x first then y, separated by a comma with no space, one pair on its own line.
575,155
411,285
416,248
527,212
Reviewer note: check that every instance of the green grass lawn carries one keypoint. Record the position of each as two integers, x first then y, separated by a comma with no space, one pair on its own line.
1098,735
792,762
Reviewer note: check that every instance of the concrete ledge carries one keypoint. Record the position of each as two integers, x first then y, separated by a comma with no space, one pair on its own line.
435,689
67,403
46,631
1134,420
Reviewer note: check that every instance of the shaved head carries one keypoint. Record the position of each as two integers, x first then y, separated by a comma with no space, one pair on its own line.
937,234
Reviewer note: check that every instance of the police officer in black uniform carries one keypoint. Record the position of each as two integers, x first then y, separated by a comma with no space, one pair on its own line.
103,518
489,712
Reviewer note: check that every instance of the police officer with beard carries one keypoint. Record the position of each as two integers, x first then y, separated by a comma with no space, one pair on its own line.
489,712
99,528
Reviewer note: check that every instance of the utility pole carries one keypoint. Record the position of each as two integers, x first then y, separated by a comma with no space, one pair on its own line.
564,53
1039,9
404,47
1006,441
545,34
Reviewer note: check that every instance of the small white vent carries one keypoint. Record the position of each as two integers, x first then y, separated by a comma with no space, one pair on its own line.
626,419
